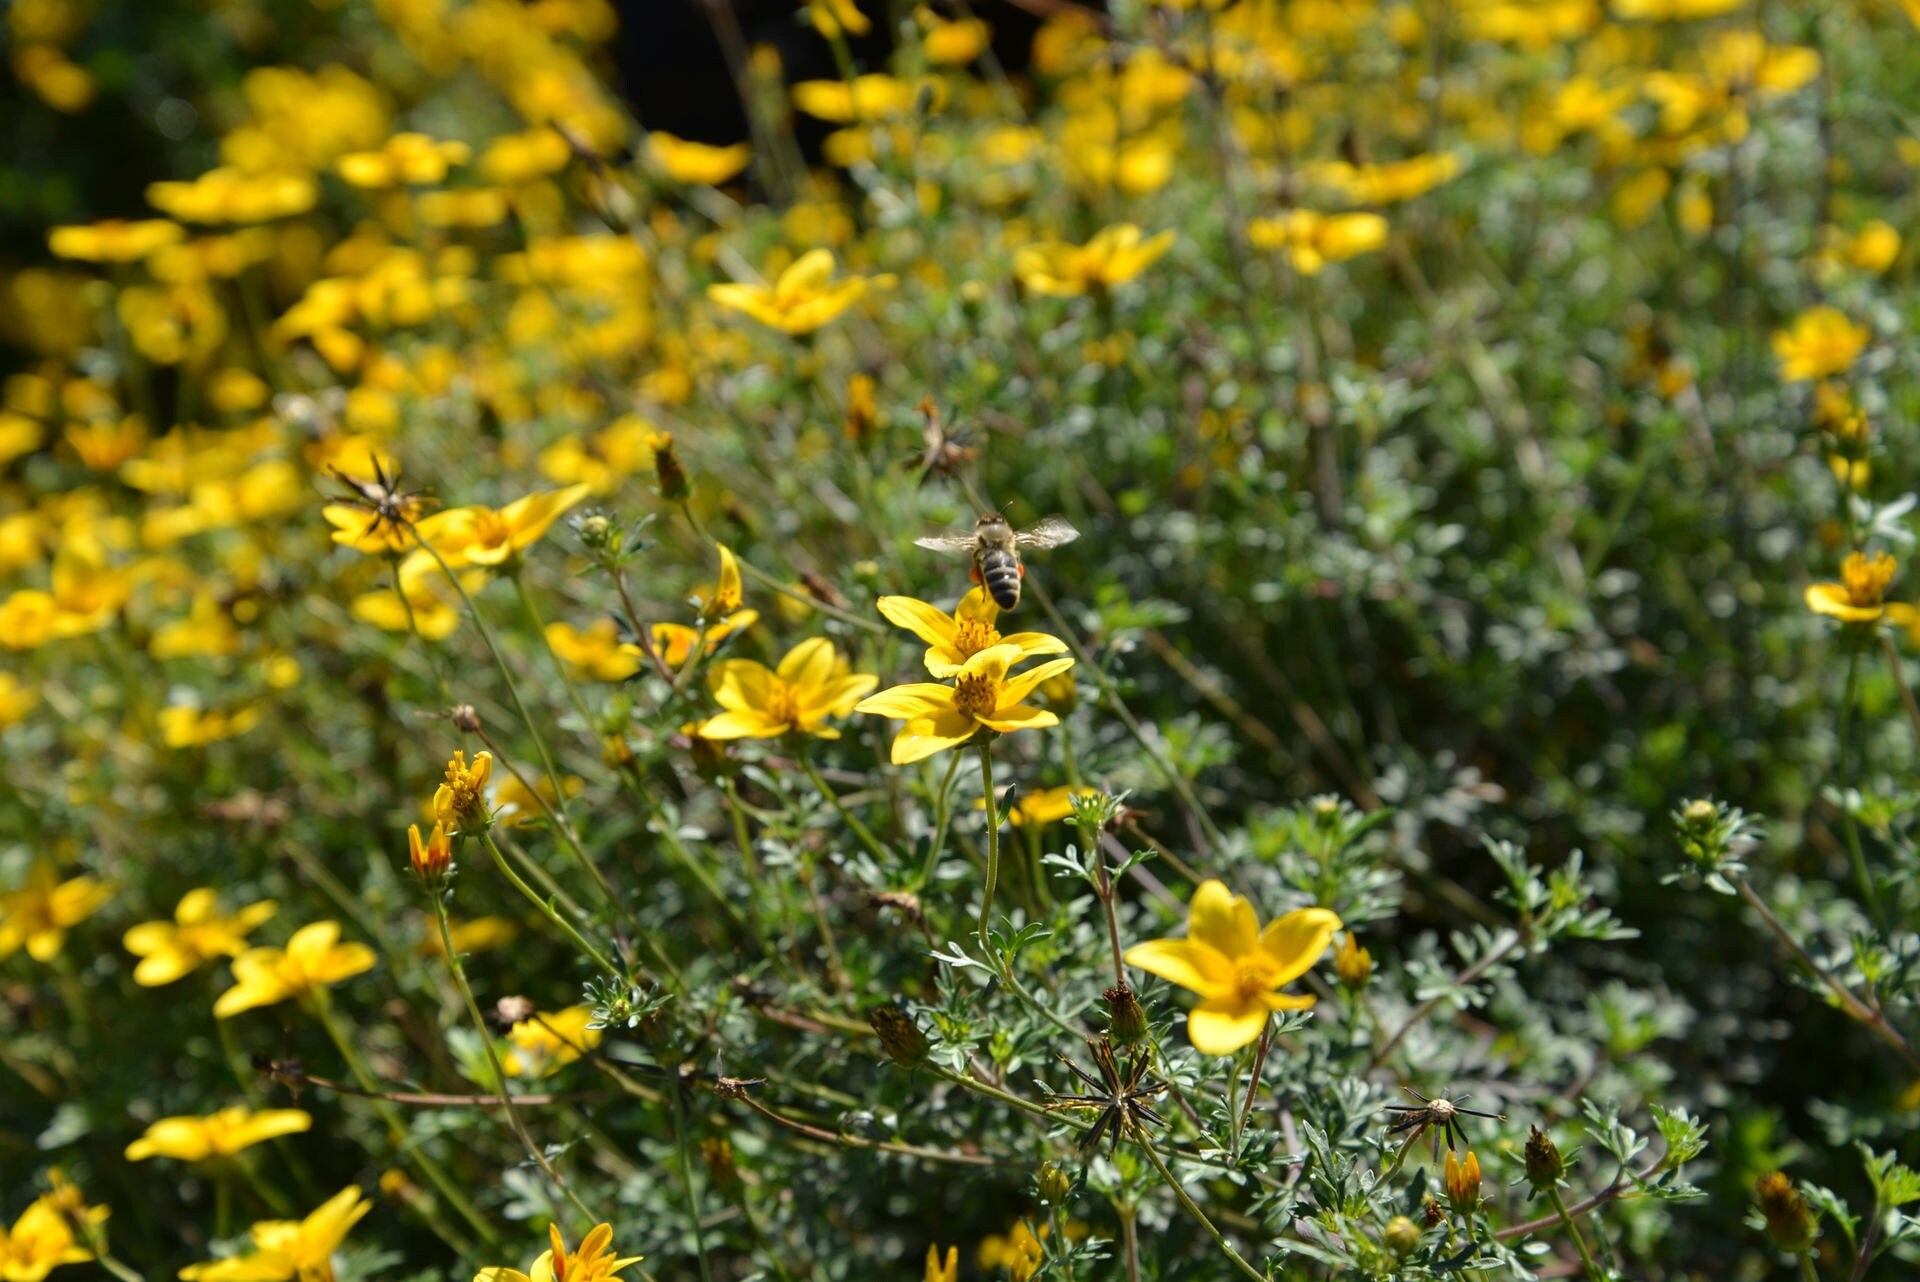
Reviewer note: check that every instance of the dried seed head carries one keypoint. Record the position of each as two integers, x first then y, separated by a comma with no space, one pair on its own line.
899,1036
1544,1167
1126,1019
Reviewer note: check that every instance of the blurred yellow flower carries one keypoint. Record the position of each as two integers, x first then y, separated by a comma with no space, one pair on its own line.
595,651
406,160
1860,595
1049,805
425,601
952,42
1312,239
1822,341
1388,182
229,196
696,162
1673,10
835,18
17,699
313,959
168,950
114,240
812,683
1113,257
594,1260
954,638
38,916
548,1041
290,1250
939,717
218,1135
184,726
523,157
870,97
42,1239
938,1270
1236,967
477,936
487,536
1874,247
805,297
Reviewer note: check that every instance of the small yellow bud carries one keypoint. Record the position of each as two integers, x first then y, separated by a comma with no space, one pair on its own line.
1055,1184
432,859
1789,1221
1462,1182
1402,1235
1352,963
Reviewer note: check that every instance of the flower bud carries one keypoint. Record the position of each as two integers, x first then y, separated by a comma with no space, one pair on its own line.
1544,1167
899,1036
1402,1236
1462,1182
1126,1019
1789,1221
462,799
1055,1184
464,718
1352,963
432,859
668,470
597,533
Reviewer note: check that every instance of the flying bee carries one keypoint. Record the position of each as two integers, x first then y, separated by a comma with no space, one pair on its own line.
995,548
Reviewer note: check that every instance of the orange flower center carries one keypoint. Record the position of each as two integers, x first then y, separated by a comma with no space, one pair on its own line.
1866,579
490,529
1253,976
976,696
783,705
974,635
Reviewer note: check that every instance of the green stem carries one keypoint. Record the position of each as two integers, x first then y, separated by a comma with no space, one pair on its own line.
860,830
514,1120
436,1176
1193,1209
943,813
1868,895
1573,1230
993,838
685,1155
1807,1273
546,909
499,662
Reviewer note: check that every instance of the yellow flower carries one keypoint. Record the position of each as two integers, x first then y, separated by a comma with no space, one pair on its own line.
1235,966
547,1041
313,959
376,535
1874,247
185,726
431,608
226,195
196,935
222,1134
939,717
811,684
1673,10
1113,257
16,699
952,43
1050,805
875,96
718,606
432,857
696,162
1314,239
805,297
939,1271
42,1240
407,159
115,240
1462,1182
1860,596
476,936
1821,342
833,17
593,1261
595,651
486,536
1019,1252
953,639
462,799
1389,182
38,916
299,1250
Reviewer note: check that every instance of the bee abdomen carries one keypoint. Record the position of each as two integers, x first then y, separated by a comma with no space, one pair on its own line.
1000,572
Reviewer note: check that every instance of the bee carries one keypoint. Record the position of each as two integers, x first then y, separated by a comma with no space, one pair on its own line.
995,549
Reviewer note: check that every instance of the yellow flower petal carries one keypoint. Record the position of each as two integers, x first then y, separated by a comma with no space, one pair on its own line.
1297,940
1225,1026
1192,965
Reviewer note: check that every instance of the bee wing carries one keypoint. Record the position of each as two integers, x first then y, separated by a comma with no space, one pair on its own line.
959,544
1050,533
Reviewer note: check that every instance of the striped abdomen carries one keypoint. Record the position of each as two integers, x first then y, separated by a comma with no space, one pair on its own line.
1000,572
